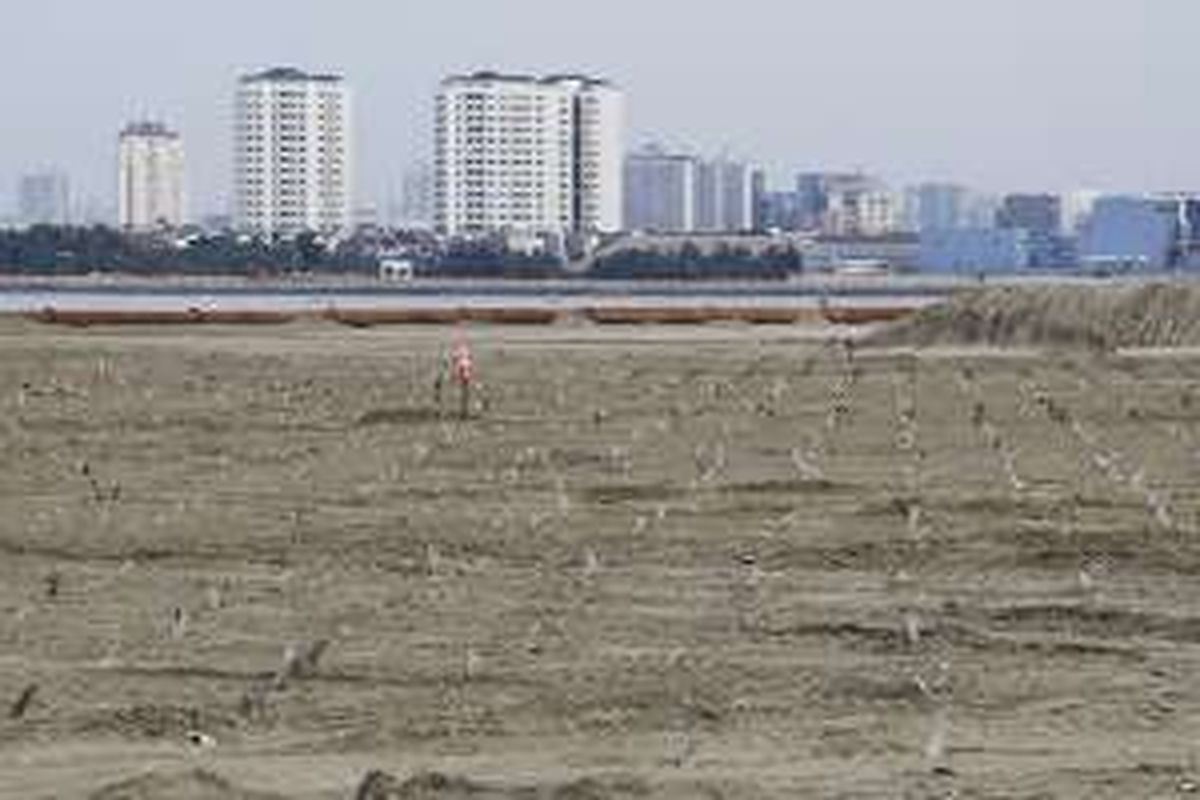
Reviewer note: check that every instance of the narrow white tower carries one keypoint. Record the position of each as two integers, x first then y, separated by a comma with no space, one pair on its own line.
151,189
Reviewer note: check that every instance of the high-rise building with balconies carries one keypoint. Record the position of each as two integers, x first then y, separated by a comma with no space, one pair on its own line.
523,154
292,153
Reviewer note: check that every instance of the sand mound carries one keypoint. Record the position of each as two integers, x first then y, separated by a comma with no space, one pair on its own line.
436,786
1099,317
197,784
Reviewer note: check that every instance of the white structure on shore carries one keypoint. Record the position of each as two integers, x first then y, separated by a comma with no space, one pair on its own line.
524,154
292,153
150,183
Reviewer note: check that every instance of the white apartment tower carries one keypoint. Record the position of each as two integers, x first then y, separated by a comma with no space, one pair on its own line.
150,183
524,154
292,153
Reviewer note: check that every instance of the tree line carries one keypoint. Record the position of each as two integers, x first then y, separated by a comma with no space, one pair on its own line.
58,250
689,262
46,250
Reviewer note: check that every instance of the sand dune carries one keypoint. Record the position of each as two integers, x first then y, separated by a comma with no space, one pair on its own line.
1099,317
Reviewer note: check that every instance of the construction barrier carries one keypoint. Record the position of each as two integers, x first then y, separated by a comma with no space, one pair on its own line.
865,315
601,315
754,315
83,318
364,318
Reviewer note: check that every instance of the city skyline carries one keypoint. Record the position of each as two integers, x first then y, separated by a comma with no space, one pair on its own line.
1013,96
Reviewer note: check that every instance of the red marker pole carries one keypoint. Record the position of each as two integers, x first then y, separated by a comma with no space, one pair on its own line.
464,373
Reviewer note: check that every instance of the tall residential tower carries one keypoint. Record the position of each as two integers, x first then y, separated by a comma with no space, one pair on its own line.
44,198
660,191
292,153
724,196
150,177
537,155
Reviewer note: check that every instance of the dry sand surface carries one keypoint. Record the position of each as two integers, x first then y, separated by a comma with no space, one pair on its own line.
1101,316
716,562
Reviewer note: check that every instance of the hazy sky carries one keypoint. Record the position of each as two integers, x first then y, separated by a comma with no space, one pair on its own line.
1001,94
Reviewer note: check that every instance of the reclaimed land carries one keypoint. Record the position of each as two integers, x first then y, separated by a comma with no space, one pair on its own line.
718,561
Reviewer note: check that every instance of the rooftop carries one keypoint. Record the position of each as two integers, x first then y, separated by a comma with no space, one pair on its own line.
289,74
489,76
654,151
149,128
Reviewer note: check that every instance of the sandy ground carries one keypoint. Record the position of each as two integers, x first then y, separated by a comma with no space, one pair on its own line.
698,563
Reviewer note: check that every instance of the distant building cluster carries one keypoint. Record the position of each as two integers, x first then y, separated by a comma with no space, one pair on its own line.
540,163
952,229
668,192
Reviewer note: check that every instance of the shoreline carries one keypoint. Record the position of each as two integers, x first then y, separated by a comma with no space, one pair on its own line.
800,285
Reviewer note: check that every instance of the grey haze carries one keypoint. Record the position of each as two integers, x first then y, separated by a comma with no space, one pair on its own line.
1002,94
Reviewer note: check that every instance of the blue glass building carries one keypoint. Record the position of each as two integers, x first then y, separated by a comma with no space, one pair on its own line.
973,251
1128,234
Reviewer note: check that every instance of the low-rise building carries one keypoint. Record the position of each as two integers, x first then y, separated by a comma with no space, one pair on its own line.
895,252
1040,213
1131,234
779,211
975,250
